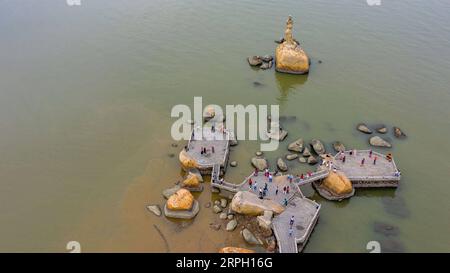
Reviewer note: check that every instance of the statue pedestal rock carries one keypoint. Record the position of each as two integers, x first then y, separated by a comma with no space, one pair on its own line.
289,56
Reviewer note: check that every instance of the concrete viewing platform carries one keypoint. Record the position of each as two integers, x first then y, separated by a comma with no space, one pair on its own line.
304,210
357,165
383,173
208,147
306,214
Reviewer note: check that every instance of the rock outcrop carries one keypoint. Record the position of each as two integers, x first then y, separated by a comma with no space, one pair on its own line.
231,249
187,161
181,200
337,184
248,203
290,57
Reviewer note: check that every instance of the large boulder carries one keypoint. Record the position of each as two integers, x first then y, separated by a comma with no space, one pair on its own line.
181,200
379,142
337,184
187,161
282,165
231,249
318,146
290,57
248,203
259,163
297,146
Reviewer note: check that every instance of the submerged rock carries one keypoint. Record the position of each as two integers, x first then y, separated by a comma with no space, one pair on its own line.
233,164
155,209
398,133
396,206
259,163
385,229
215,226
364,128
290,57
281,165
318,146
297,146
248,203
302,159
379,142
250,238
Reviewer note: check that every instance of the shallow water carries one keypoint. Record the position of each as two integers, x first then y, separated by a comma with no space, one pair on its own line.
86,93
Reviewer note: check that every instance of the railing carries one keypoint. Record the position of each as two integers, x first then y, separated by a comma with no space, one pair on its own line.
314,176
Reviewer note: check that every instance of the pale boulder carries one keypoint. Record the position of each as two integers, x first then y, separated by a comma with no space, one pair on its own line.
248,203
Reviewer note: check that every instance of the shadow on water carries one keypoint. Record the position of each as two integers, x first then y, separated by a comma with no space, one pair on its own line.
288,83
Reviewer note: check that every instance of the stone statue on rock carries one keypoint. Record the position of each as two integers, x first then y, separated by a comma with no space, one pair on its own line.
289,56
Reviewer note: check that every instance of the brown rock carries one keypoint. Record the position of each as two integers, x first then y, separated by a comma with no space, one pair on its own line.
191,181
290,57
337,184
231,249
181,200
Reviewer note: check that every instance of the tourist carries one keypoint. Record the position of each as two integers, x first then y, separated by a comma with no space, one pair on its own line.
290,177
334,170
260,193
351,152
250,182
291,221
284,190
256,172
302,177
265,187
291,231
389,157
201,152
212,149
287,190
370,154
362,161
270,178
375,160
285,202
276,191
343,159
